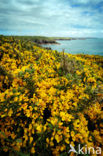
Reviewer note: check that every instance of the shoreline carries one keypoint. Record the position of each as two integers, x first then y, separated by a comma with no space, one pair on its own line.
49,43
55,41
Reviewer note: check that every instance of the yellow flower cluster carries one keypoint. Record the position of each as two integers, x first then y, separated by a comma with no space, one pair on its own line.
45,106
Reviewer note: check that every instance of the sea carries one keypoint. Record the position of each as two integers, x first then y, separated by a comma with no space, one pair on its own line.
78,46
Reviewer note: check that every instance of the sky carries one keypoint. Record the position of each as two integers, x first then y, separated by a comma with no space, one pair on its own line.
65,18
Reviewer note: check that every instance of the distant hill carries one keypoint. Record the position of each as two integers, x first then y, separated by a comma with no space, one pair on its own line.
43,39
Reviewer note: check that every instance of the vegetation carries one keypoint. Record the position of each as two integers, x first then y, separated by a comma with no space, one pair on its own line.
48,100
36,39
40,39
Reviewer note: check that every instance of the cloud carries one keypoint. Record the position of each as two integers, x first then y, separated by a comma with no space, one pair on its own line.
52,17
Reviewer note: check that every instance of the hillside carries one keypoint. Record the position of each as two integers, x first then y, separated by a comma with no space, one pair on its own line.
35,39
42,39
48,100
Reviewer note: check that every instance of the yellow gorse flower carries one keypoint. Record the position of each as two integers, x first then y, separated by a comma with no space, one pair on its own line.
48,99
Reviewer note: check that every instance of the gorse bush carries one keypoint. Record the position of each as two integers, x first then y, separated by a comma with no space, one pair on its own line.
48,100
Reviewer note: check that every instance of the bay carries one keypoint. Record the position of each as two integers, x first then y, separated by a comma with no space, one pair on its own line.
87,46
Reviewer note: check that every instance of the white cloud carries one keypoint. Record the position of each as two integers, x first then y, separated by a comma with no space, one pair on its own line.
51,17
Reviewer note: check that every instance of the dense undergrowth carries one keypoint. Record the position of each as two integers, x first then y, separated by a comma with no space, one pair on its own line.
48,100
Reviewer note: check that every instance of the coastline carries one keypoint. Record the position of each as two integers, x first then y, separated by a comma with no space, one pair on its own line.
49,42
